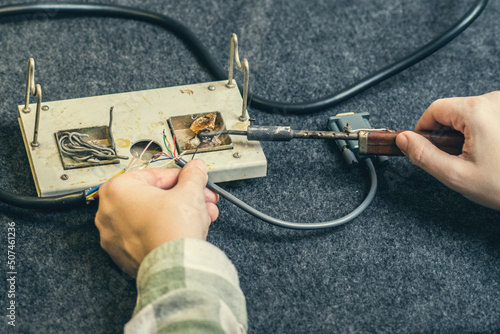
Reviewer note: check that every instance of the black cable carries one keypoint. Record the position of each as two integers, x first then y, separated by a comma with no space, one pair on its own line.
292,225
110,130
63,202
377,77
204,56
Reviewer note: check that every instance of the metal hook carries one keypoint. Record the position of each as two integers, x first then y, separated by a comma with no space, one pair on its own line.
38,94
234,57
35,90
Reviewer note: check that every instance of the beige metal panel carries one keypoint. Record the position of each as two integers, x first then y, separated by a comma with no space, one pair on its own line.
137,116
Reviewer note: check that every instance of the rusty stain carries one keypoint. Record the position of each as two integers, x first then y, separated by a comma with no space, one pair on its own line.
100,141
122,142
144,98
240,126
154,125
81,182
187,91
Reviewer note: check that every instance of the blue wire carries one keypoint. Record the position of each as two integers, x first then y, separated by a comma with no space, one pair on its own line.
99,186
160,160
93,189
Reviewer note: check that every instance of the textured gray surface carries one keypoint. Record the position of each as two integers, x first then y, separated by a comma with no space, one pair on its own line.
420,259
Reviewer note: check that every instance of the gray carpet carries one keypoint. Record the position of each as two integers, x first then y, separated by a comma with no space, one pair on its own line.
420,259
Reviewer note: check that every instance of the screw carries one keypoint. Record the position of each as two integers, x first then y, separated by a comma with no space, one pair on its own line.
237,155
64,177
211,87
45,108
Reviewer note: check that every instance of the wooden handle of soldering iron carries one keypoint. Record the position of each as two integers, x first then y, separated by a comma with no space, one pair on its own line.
384,142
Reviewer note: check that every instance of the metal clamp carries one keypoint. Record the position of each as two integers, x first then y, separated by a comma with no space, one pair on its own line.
234,57
363,141
35,90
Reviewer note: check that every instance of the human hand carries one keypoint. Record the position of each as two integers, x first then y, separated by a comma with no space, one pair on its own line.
476,172
140,210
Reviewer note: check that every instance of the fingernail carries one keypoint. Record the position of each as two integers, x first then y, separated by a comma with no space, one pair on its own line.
402,142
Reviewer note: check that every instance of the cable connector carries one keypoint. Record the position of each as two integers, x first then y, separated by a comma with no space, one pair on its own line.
350,148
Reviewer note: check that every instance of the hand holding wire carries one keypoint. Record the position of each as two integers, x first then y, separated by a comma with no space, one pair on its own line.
142,209
136,163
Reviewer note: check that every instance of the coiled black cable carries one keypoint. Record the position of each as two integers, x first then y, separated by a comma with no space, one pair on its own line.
204,56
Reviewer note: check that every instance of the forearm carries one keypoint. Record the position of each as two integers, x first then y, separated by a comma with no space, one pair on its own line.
191,286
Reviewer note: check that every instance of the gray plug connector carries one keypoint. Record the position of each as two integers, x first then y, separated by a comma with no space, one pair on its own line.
350,148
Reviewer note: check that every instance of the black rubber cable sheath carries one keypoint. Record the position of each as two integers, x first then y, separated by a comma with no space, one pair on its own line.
204,56
377,77
63,202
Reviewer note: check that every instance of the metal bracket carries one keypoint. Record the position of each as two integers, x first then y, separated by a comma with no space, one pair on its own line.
234,57
35,90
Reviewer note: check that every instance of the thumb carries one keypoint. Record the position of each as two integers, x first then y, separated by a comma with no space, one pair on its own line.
193,176
443,166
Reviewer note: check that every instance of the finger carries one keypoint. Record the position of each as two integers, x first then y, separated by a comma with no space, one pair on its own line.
448,112
213,211
119,186
160,178
193,177
211,197
443,166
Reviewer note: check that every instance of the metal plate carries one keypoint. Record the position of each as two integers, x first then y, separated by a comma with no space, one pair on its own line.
138,116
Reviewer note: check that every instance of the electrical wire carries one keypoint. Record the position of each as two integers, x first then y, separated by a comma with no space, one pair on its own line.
74,146
167,144
209,61
136,160
299,226
145,149
377,77
197,148
175,147
110,129
163,156
63,202
92,192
